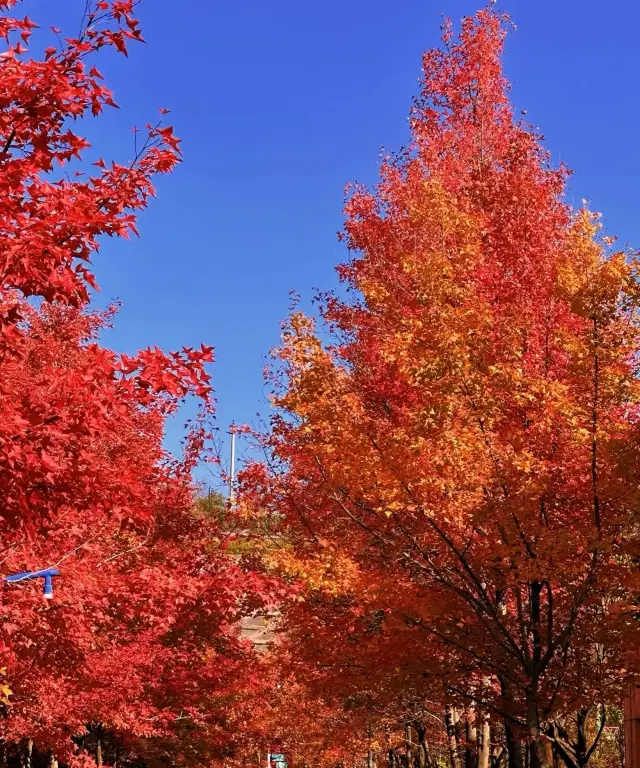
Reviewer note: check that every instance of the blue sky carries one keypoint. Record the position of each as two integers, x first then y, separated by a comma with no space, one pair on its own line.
279,105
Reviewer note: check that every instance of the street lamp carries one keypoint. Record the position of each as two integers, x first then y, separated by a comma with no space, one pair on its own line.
47,574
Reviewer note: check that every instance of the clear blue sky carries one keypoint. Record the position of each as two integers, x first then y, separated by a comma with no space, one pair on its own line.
279,104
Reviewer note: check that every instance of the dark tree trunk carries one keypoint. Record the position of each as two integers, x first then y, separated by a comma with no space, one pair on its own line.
540,746
27,753
514,746
513,737
424,755
575,753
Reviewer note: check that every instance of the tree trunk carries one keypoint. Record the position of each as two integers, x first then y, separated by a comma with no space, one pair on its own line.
575,753
424,756
408,742
514,747
450,719
581,736
484,741
540,746
99,753
471,739
511,731
27,753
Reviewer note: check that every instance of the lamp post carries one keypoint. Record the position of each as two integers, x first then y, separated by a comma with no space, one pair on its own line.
47,575
232,466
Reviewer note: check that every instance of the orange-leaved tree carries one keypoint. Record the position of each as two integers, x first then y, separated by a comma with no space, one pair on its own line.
470,431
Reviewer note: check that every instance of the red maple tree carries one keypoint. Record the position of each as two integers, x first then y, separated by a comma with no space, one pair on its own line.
140,649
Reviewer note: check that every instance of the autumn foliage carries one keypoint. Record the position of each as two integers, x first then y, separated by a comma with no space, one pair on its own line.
455,451
446,518
140,649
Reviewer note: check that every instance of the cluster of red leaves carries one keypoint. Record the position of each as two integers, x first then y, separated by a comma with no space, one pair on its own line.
71,409
50,228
